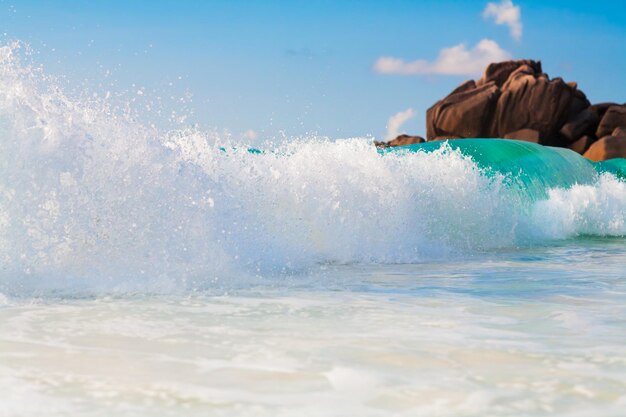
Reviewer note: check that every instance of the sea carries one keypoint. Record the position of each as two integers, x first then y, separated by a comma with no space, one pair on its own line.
179,272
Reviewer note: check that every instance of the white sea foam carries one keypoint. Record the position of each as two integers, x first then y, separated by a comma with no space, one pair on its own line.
89,197
598,209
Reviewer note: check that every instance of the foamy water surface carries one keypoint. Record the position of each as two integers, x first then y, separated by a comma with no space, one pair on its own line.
525,333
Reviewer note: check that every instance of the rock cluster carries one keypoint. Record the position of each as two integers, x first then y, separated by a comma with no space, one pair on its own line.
517,100
401,140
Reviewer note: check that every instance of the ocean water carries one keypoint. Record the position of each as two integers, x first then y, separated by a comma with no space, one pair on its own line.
148,271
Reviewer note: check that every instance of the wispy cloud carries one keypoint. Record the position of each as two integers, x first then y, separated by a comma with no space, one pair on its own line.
456,60
396,121
506,13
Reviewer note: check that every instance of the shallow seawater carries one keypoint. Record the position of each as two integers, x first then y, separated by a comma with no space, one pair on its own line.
528,332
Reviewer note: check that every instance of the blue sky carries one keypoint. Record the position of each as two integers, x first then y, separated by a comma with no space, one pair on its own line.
303,67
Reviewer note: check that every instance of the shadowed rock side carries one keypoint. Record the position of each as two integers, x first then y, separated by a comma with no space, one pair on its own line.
517,100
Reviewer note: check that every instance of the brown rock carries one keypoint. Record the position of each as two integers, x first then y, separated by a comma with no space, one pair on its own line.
582,144
615,116
516,100
533,103
619,131
499,72
463,114
579,103
401,140
601,108
528,135
584,123
512,96
608,147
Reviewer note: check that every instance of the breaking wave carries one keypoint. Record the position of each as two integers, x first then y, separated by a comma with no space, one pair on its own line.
90,197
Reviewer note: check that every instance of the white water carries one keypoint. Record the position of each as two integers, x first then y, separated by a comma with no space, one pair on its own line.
149,272
525,333
92,199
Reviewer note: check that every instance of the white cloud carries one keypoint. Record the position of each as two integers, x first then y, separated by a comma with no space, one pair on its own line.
506,13
456,60
396,121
